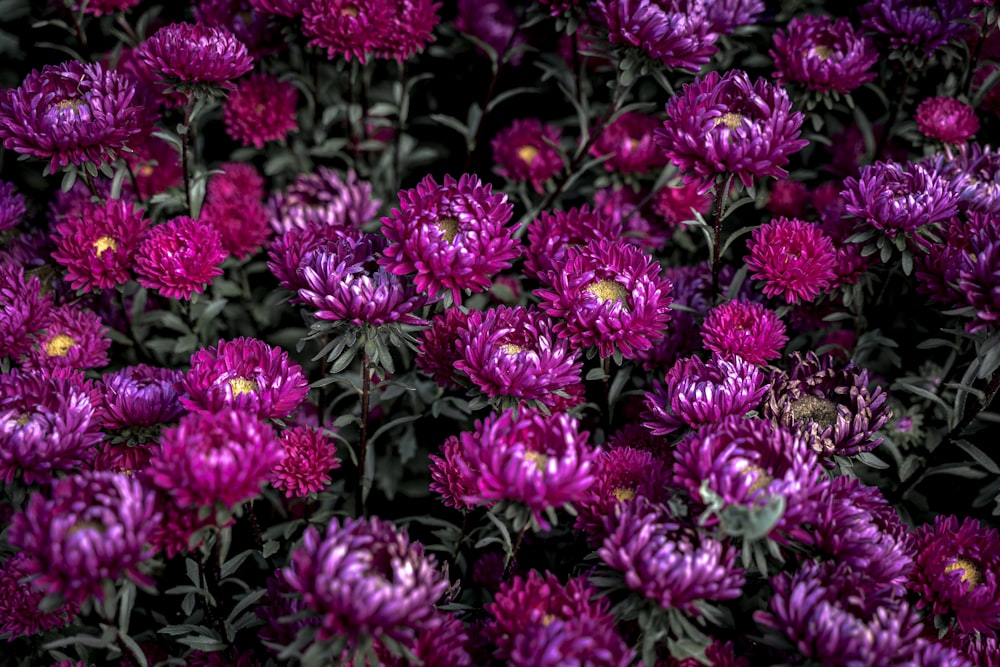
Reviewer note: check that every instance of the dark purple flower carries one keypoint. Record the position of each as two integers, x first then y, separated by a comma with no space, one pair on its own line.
979,275
823,53
323,199
794,259
261,109
12,208
678,204
287,252
233,207
289,8
437,353
946,119
309,457
73,338
250,26
453,236
678,33
726,124
156,166
493,22
725,16
745,329
629,142
180,258
92,528
924,25
140,397
362,28
365,577
191,54
71,114
526,151
552,233
20,615
451,477
24,310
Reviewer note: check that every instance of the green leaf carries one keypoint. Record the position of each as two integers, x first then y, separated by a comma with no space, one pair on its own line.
981,457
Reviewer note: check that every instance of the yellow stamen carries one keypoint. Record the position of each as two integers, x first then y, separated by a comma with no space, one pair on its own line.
241,385
511,348
349,10
537,458
527,153
60,345
730,119
449,228
23,419
621,495
970,572
824,52
761,478
105,243
815,409
607,290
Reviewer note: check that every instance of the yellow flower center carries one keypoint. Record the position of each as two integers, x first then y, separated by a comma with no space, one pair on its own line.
241,385
815,409
761,478
537,458
146,170
547,620
105,243
87,525
449,228
730,119
607,290
72,103
621,495
511,348
60,345
970,572
349,10
23,419
527,153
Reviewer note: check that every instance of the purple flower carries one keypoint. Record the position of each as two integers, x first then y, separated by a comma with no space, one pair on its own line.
73,338
23,309
323,199
261,109
309,458
726,124
140,397
725,16
926,26
233,207
437,353
677,33
823,53
442,645
744,329
20,615
191,54
979,275
93,528
946,119
629,142
610,295
794,259
246,374
71,114
215,458
551,234
451,477
287,252
12,208
103,7
452,236
691,287
696,393
360,28
511,353
250,26
365,577
665,564
180,258
974,173
526,151
493,22
289,8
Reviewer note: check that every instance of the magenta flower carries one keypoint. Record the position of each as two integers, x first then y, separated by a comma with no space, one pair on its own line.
71,114
251,27
191,54
526,151
362,28
676,33
98,245
180,258
726,16
73,338
233,207
726,124
288,8
261,109
609,295
925,26
451,477
12,208
744,329
365,577
182,528
140,397
946,119
696,393
789,199
24,312
156,166
823,54
979,275
437,353
551,234
794,259
323,199
493,22
103,7
309,458
215,458
246,374
20,615
629,142
93,529
676,205
453,236
287,252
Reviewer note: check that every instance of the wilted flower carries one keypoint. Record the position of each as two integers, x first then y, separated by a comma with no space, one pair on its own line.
678,33
73,338
526,151
323,199
261,109
795,259
926,26
23,309
823,53
946,119
309,457
12,206
180,258
744,329
20,614
191,54
140,397
551,234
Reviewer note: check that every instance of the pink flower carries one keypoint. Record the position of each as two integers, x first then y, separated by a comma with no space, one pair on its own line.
73,338
98,245
745,329
180,258
629,142
795,259
525,152
947,119
309,458
261,109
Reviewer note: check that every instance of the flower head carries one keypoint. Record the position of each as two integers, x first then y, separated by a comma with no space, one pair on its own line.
140,397
679,204
180,257
551,234
20,615
493,22
437,353
233,207
323,199
795,259
362,28
261,109
744,329
823,53
947,119
677,33
12,208
73,338
451,477
629,142
525,152
156,166
979,276
185,53
249,25
24,310
309,457
924,26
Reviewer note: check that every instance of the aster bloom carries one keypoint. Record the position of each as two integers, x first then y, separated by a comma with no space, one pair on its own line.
73,338
140,397
537,460
215,458
192,54
324,199
924,26
287,252
609,295
437,353
443,645
23,309
98,245
92,529
946,119
454,236
726,124
261,109
182,529
695,393
288,8
246,374
956,572
794,259
179,258
102,7
676,205
824,54
830,404
309,458
979,277
551,234
241,17
71,114
365,577
526,151
49,422
451,477
725,16
12,207
233,207
493,22
511,353
629,142
628,206
667,565
744,329
788,199
20,615
362,28
345,284
677,33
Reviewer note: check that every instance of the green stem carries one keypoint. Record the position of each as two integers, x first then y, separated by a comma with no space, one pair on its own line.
185,139
720,203
366,390
508,567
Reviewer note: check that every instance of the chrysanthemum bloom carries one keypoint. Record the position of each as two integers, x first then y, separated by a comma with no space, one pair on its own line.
97,246
71,114
156,166
453,236
542,622
677,33
956,572
830,404
49,422
287,252
695,393
493,22
249,25
538,460
926,26
979,277
629,142
12,206
140,397
19,602
73,338
512,353
102,7
191,54
437,353
526,151
365,577
628,207
180,258
92,529
309,458
323,198
246,374
345,284
676,205
289,8
946,119
817,610
215,458
261,109
823,53
982,650
552,233
794,259
788,199
744,329
234,208
726,124
610,295
23,309
973,171
451,477
665,564
362,28
725,16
